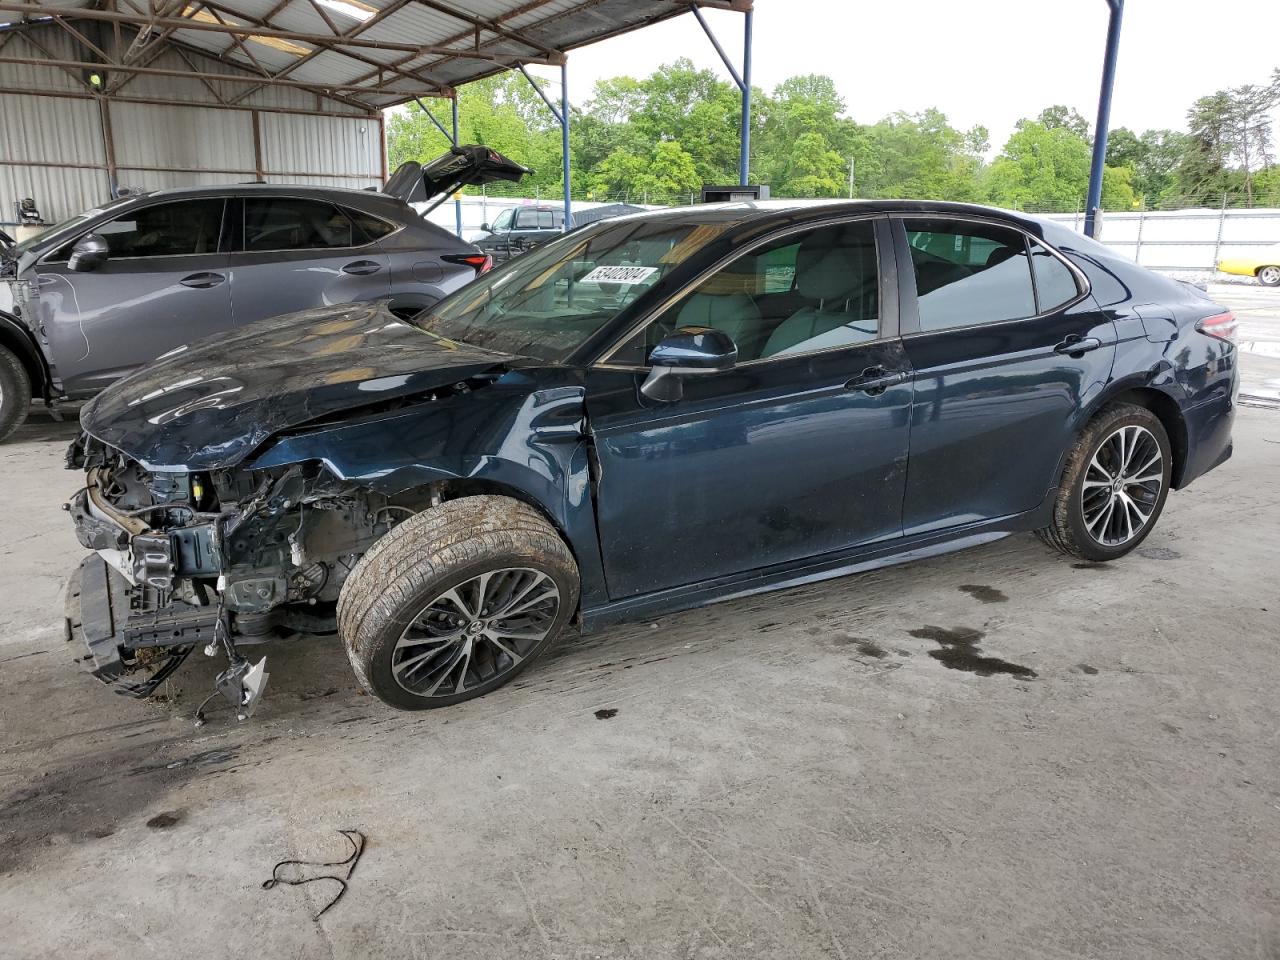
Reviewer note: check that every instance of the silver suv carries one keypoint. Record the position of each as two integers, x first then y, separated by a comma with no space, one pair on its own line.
92,299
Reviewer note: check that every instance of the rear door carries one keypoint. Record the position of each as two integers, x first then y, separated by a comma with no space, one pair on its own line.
164,284
295,253
1007,346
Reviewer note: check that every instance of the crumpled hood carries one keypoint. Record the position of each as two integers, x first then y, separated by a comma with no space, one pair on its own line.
209,405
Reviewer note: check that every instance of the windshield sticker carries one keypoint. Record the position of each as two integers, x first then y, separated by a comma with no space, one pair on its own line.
619,274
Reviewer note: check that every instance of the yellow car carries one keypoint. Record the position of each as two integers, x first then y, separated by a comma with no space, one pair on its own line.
1265,266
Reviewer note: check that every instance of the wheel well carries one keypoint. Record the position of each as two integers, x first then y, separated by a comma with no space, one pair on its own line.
1170,415
421,497
10,341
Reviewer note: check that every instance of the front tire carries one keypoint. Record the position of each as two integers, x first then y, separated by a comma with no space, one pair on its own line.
15,393
456,601
1269,276
1114,486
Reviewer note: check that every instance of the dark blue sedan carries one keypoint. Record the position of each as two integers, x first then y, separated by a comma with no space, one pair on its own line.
645,415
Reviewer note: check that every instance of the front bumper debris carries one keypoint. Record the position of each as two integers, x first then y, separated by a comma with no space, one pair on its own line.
130,630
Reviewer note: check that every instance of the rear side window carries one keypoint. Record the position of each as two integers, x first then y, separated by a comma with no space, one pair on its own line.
293,223
969,273
180,229
1055,283
368,227
535,220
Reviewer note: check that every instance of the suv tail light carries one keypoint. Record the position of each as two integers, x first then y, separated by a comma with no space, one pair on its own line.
481,262
1221,326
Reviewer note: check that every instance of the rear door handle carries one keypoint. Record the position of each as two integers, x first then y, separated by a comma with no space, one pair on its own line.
202,281
1077,346
362,268
874,381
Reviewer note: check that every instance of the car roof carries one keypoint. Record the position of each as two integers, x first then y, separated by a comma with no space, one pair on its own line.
754,211
238,189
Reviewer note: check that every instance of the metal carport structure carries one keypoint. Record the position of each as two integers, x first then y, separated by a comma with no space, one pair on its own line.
357,57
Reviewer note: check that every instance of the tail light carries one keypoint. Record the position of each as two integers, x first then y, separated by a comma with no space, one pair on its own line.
482,263
1221,326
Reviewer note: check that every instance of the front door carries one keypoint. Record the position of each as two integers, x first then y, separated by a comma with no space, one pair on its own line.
164,284
296,253
1006,346
797,451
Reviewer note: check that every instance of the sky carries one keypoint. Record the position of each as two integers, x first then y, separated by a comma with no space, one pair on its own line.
987,62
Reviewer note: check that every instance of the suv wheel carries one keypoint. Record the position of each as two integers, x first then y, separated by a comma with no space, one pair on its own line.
15,393
1114,485
456,601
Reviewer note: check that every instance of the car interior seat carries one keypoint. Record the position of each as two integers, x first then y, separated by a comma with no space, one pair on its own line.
733,313
840,278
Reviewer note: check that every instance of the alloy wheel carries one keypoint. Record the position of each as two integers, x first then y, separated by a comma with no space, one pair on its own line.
1270,276
475,632
1122,486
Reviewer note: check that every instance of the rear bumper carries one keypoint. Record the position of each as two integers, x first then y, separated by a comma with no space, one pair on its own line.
1208,436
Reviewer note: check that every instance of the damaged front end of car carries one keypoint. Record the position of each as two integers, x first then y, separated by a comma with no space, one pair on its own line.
216,560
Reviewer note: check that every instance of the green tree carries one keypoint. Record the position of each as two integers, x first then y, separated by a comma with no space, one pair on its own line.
666,174
1059,117
919,155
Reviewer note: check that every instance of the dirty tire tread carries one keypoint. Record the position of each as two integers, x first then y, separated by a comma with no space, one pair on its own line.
395,574
1059,533
15,388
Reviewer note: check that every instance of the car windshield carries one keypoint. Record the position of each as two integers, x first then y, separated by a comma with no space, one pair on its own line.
546,303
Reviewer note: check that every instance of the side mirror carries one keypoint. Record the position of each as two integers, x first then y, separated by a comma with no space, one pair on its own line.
690,351
89,253
486,228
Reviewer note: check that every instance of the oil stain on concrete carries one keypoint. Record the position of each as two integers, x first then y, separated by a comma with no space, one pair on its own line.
984,594
960,651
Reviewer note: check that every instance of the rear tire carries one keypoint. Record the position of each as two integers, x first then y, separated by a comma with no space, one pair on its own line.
15,393
456,601
1114,485
1269,276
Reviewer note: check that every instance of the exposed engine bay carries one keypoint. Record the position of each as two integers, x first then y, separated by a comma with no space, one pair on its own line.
215,560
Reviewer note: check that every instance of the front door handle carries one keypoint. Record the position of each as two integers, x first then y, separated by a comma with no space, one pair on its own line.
1077,346
202,281
362,268
874,381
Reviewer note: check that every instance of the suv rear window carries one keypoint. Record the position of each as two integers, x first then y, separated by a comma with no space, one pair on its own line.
368,227
294,223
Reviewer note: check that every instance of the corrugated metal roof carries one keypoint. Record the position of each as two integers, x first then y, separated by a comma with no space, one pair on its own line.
366,53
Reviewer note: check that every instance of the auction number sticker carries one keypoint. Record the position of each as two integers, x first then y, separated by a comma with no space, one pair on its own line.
619,274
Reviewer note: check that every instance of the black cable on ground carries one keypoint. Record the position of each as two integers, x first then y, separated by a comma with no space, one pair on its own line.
353,837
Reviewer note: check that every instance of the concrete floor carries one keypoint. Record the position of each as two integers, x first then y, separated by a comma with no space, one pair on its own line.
805,774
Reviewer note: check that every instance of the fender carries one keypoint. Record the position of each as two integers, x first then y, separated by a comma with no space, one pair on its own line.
505,438
16,336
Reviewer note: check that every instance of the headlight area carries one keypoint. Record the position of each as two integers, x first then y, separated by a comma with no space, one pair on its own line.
213,561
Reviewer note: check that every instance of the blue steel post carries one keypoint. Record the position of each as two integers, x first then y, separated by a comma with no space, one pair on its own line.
745,148
457,204
564,141
1094,200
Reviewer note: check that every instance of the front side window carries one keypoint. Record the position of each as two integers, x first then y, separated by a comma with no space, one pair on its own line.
546,303
503,221
969,273
180,229
293,223
801,293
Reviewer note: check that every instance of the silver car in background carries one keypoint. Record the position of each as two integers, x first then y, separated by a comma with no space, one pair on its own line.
92,299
